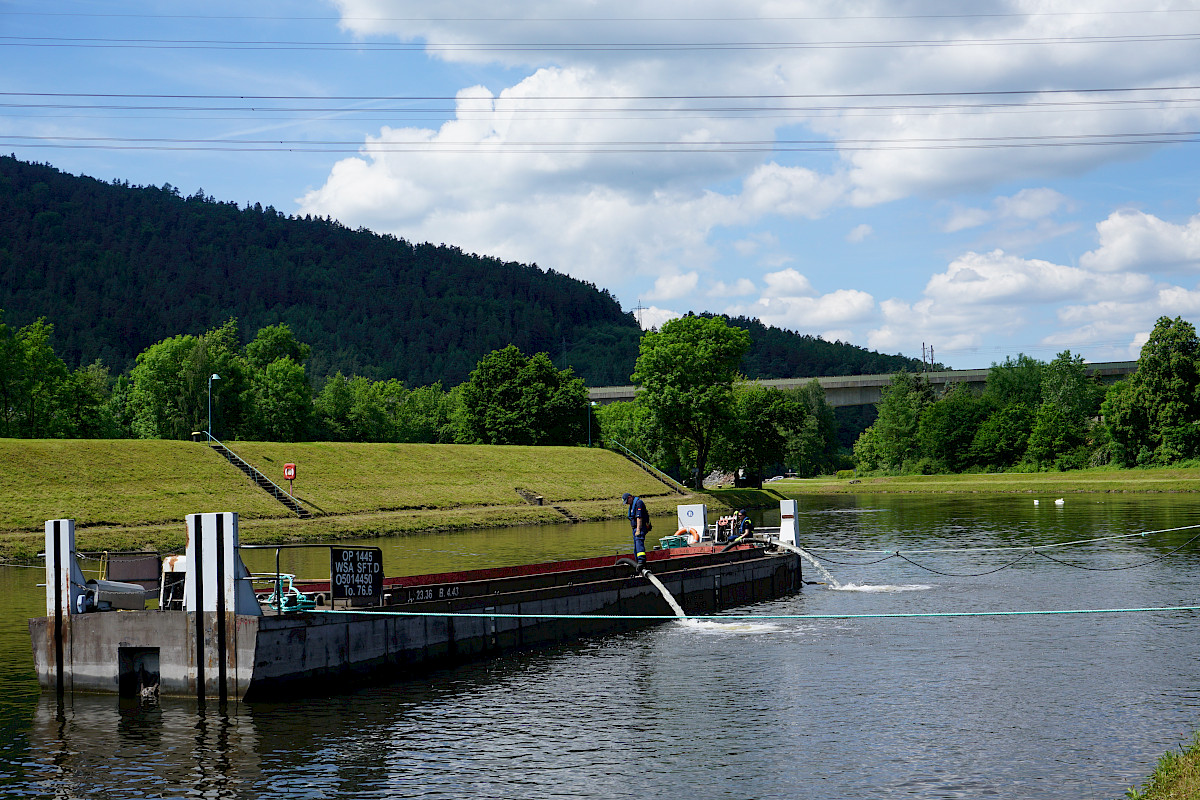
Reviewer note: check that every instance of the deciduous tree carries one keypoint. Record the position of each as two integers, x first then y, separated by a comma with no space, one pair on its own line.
765,422
948,427
894,436
814,448
687,370
1017,380
282,401
512,399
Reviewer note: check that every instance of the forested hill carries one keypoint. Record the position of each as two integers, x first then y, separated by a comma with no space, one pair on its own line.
116,268
776,353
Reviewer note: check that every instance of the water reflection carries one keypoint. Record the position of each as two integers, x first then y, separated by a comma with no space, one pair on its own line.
88,747
1015,707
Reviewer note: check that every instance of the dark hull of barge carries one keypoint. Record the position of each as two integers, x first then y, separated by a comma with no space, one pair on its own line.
323,652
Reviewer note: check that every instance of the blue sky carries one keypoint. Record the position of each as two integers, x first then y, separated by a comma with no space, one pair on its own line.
989,179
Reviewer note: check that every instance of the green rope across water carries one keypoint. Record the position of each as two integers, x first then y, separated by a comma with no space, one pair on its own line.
742,617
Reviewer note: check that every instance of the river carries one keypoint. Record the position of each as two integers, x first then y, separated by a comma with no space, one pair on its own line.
1029,706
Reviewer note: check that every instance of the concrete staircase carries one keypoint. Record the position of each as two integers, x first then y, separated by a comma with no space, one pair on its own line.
571,517
537,500
262,481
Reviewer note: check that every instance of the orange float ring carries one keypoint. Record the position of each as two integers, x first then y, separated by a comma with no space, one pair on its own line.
693,535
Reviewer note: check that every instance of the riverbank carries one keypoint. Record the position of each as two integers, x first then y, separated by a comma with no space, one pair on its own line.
134,494
1100,479
1177,776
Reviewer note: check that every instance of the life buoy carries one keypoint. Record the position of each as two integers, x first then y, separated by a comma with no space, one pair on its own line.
692,535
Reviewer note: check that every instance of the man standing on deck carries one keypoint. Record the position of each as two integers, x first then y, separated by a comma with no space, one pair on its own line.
639,521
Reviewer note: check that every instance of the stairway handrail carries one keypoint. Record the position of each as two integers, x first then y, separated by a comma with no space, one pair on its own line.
658,473
279,489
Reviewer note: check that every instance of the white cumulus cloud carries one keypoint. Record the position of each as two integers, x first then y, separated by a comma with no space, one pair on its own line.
670,287
655,317
633,168
993,278
1027,205
787,283
1136,240
837,309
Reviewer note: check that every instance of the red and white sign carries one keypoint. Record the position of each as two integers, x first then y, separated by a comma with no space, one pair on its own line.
289,471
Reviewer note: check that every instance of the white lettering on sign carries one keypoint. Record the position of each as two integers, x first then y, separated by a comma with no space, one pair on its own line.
432,593
355,572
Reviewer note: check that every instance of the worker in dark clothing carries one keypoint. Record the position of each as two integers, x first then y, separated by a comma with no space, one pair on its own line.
639,521
743,526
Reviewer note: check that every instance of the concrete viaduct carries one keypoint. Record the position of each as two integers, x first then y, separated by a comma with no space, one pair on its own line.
863,390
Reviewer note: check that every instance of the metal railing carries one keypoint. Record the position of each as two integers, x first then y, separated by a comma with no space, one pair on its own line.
658,473
278,491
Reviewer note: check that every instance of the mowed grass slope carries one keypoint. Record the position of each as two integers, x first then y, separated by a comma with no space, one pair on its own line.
136,494
106,482
340,478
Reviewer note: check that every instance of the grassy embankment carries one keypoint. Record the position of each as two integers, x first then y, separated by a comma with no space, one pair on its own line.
135,494
1101,479
1177,776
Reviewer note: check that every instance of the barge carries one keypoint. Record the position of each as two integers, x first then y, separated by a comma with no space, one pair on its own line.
213,638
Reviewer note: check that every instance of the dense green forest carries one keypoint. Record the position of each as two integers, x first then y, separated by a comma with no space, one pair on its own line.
776,353
116,268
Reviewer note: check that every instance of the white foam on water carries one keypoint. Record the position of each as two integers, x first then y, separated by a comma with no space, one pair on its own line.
867,587
710,626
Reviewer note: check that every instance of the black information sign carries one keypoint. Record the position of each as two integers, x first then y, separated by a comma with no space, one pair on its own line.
356,572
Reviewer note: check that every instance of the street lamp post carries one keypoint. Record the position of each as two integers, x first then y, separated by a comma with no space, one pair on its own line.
589,415
211,378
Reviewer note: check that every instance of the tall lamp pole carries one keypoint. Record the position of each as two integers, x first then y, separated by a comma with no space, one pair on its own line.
589,413
211,378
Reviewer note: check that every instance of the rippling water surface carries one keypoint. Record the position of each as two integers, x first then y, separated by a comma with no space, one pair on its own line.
1041,706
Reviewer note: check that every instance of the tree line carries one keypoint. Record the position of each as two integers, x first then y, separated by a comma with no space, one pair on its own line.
1035,415
182,385
696,411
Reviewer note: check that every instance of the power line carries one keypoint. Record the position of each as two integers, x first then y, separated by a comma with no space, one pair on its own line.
737,112
485,47
621,97
757,18
304,115
614,146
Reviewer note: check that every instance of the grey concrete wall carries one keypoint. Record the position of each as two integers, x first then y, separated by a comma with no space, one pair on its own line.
92,644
